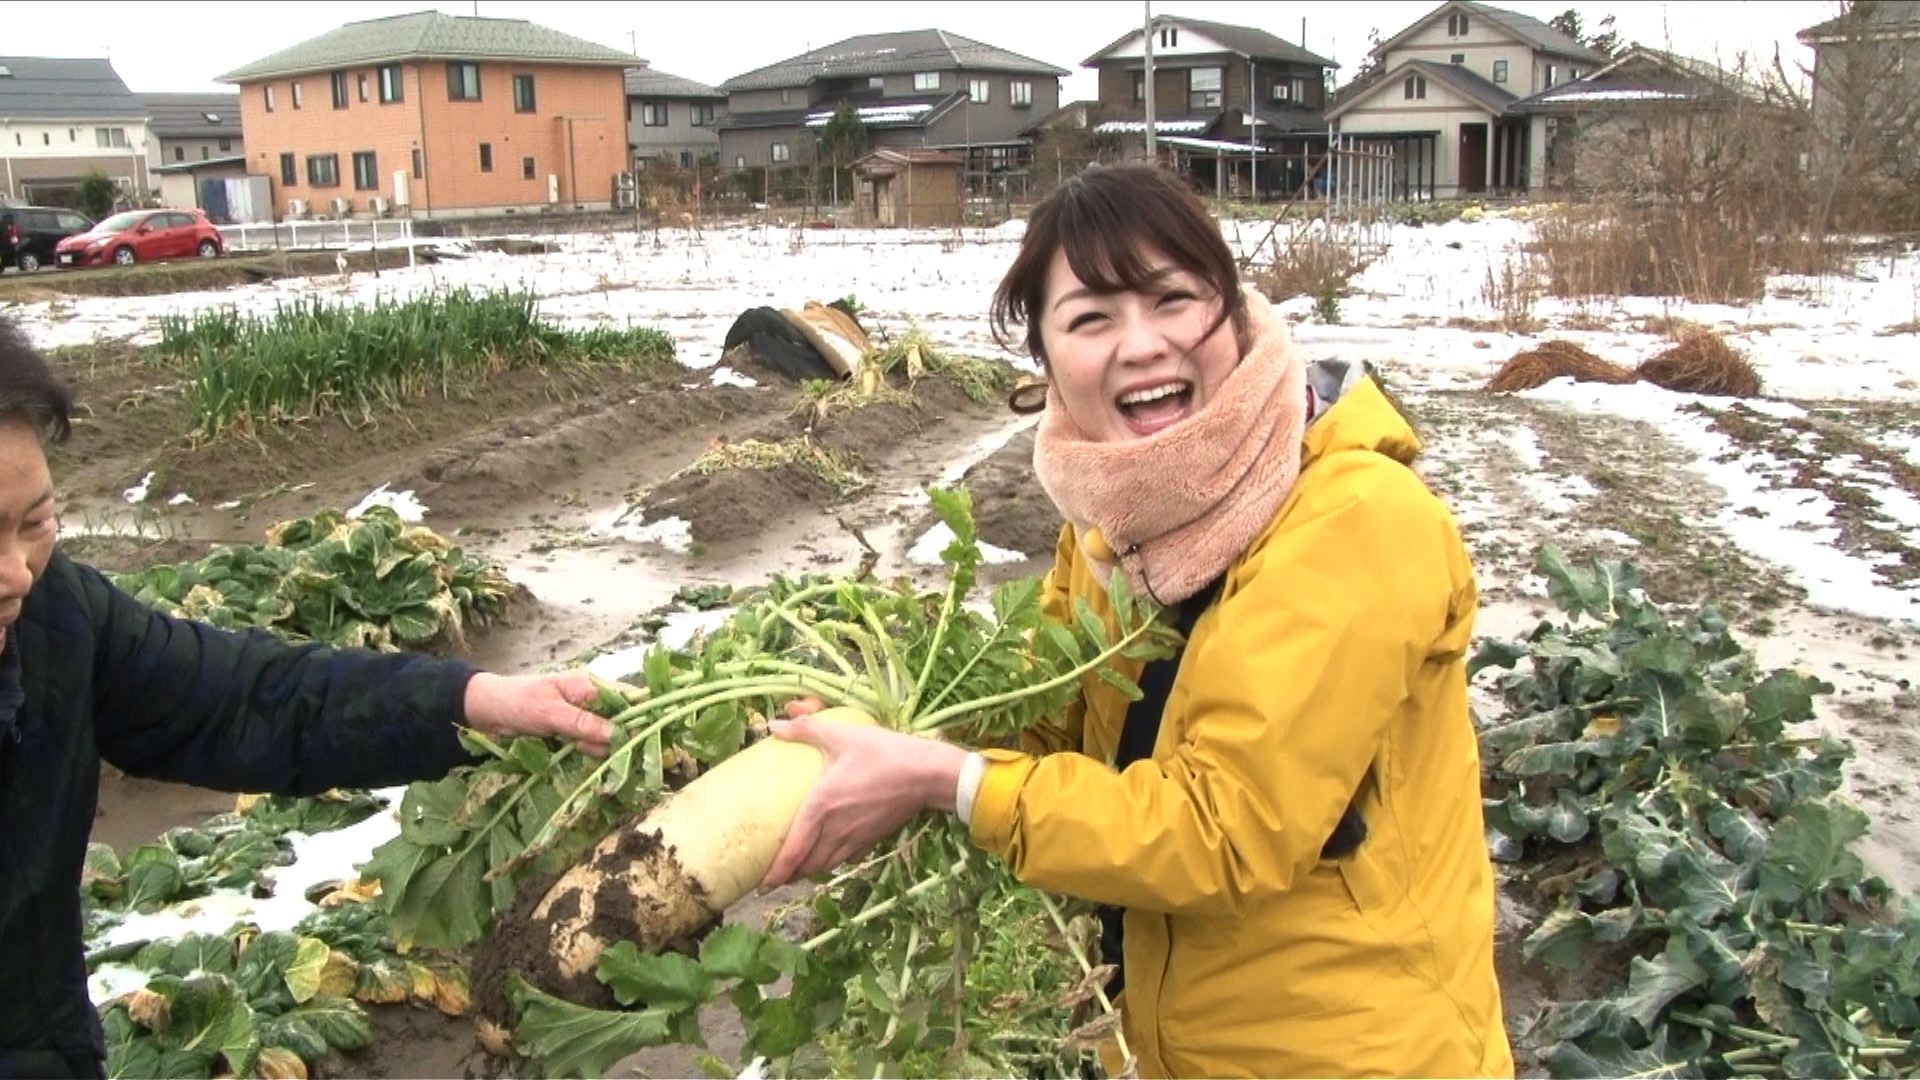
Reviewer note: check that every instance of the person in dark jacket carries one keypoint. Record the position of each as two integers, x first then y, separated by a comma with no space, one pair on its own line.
87,672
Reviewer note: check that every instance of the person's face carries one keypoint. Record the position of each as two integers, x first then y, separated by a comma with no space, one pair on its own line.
26,519
1130,364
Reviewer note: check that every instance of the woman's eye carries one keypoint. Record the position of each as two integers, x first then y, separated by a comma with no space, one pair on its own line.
35,528
1175,297
1084,319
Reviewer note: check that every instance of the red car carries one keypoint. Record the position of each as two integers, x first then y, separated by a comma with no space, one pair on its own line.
141,236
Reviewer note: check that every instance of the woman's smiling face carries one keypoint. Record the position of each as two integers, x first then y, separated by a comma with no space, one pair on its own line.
1133,363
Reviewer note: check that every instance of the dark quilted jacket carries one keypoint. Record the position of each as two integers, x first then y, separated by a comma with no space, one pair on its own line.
90,673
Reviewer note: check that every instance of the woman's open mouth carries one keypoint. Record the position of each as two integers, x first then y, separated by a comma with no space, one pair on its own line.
1154,408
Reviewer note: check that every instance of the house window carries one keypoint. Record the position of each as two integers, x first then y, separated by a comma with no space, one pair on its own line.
653,114
1299,89
1169,37
339,81
1415,88
366,172
1282,90
419,164
1457,24
108,138
363,87
299,98
1574,75
486,157
203,152
686,159
523,93
226,146
1551,73
786,96
978,91
780,152
73,134
266,96
391,88
1203,88
46,138
876,82
289,171
1457,58
526,168
323,170
179,153
1499,71
463,82
702,113
926,80
1020,92
1139,87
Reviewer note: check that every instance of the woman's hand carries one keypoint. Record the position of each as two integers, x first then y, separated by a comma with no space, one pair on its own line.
874,782
538,705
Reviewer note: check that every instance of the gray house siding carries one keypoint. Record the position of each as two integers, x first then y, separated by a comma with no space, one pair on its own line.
679,136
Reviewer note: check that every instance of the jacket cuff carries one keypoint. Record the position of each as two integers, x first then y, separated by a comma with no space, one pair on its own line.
446,751
968,785
994,801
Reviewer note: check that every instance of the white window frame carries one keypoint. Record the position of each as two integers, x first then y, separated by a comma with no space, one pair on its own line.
1200,97
1020,93
781,154
1500,71
926,80
979,91
653,114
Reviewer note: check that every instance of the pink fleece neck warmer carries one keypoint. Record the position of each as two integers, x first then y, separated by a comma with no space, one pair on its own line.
1176,508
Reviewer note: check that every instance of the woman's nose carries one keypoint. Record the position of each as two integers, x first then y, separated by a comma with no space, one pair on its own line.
1141,342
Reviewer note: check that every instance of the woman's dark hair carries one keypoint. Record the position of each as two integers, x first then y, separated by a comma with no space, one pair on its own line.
29,392
1106,219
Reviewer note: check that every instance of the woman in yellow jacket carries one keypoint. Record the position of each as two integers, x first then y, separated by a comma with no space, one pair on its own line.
1290,820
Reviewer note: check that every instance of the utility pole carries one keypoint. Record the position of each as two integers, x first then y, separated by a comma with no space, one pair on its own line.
1153,150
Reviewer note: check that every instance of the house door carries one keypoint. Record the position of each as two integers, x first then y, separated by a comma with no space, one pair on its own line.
1473,158
883,200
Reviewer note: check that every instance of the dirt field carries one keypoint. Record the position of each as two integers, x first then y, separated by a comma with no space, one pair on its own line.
544,476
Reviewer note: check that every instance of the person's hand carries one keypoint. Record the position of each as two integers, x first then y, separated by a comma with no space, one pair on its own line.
874,782
538,705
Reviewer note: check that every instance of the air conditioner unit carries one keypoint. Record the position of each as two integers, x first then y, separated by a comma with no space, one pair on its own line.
296,208
342,206
378,206
623,181
623,191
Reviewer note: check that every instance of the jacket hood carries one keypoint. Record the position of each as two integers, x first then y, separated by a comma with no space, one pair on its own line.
1360,418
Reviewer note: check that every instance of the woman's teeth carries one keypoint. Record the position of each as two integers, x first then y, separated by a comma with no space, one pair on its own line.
1141,397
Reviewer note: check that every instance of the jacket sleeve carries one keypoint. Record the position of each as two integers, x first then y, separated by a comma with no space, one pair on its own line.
1288,701
1055,734
182,701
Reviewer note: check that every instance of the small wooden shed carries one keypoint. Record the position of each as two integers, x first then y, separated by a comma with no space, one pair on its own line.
910,187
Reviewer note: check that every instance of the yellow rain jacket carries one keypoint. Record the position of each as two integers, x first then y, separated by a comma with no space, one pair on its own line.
1334,662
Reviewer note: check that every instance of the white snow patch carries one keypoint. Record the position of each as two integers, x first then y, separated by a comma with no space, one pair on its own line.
181,499
109,981
137,494
726,376
403,503
1615,537
674,534
926,551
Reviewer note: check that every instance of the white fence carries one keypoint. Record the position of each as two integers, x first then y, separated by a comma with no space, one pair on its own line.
319,235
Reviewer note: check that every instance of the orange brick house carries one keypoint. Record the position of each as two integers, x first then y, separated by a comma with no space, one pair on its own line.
434,115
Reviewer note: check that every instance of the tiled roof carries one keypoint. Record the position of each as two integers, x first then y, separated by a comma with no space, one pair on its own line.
652,82
431,35
183,116
1525,27
1245,40
1494,99
888,54
1870,17
46,88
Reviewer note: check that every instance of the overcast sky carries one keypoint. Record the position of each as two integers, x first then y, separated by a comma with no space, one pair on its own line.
182,45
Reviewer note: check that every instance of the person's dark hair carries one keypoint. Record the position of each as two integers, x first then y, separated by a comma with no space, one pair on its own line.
1106,219
29,391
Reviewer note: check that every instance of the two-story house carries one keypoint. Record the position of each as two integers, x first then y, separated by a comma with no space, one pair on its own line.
1442,94
671,120
1223,97
1866,95
61,119
437,115
195,138
918,88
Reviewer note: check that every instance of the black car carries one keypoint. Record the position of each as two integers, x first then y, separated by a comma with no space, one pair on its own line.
28,234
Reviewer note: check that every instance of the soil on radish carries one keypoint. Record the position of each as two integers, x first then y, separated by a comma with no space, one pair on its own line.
523,943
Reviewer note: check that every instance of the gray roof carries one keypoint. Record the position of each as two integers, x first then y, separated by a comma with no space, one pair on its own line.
891,53
1241,40
1525,27
1644,77
431,35
1870,17
1495,99
184,116
47,88
652,82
